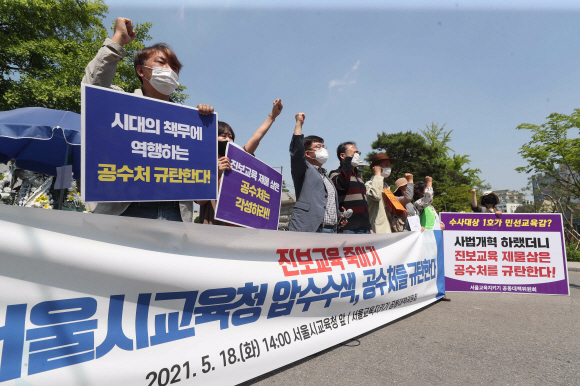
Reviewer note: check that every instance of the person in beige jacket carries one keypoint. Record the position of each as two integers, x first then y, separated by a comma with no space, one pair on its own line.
381,167
158,70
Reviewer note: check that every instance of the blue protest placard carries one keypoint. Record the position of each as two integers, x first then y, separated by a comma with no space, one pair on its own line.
136,148
250,193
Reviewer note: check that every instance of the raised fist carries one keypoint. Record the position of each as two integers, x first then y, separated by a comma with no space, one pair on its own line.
409,177
377,170
349,152
428,179
474,191
124,33
300,117
277,108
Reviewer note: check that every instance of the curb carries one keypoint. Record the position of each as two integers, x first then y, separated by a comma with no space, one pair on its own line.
574,266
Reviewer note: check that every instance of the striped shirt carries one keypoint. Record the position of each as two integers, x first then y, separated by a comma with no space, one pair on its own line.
330,215
352,195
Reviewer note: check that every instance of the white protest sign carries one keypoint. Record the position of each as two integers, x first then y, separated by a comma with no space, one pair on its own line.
108,300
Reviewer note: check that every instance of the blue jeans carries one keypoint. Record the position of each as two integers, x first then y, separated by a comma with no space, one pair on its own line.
356,232
322,229
162,210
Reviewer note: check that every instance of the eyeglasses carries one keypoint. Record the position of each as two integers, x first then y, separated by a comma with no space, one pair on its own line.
317,147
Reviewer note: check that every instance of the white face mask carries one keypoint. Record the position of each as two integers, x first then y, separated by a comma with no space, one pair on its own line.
386,172
355,160
321,155
164,80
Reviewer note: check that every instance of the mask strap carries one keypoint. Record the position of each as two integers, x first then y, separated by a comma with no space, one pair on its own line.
144,76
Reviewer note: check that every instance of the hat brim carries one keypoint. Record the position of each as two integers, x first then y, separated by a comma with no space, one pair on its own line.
489,194
373,164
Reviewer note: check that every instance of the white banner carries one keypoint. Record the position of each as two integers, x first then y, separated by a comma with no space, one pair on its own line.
91,299
516,253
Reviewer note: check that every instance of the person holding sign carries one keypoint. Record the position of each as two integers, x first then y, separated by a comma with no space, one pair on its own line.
378,200
488,202
316,208
158,69
423,203
226,134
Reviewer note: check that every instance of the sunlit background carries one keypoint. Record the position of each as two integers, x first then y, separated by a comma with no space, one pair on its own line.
358,68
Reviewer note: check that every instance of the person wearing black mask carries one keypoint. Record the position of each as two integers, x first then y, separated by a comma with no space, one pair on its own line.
226,134
489,200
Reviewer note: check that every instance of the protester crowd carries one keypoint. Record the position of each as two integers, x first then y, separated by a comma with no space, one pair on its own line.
338,201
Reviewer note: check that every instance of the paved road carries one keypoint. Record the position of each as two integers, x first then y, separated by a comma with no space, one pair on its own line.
476,339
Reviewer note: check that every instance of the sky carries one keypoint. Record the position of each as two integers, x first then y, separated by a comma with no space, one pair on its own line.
361,68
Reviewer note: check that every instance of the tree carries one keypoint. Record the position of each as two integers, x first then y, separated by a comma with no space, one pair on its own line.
552,153
428,154
453,199
556,157
411,152
456,165
45,46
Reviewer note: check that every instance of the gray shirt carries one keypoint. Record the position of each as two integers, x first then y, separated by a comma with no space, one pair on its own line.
100,72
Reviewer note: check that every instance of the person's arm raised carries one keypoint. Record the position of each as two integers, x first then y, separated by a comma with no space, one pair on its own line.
124,33
375,185
427,198
342,179
300,117
101,70
297,154
409,191
253,142
474,205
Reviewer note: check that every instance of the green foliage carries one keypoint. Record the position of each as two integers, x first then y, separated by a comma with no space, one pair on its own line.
455,165
45,46
196,220
70,206
7,200
552,153
410,151
572,253
284,187
437,138
454,199
556,158
429,154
